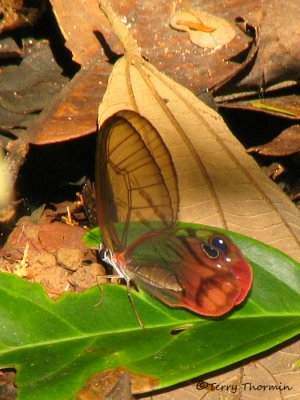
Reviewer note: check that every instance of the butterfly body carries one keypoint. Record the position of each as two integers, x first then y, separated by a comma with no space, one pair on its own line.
137,197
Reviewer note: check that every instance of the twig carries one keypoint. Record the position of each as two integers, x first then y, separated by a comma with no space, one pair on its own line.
130,46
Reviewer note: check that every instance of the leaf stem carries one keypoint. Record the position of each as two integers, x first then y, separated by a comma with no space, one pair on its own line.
130,46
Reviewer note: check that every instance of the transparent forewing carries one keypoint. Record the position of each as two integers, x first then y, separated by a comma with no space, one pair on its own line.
136,184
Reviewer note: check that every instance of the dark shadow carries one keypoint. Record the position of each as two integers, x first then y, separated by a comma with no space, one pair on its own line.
111,56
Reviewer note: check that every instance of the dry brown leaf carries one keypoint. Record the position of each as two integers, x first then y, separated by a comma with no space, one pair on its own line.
283,106
71,114
78,21
278,56
14,15
9,49
288,142
204,29
26,88
81,22
219,184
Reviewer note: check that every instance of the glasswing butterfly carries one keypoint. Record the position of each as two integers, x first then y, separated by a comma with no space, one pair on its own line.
137,202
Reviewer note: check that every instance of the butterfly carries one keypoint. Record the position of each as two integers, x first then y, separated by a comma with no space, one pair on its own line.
137,201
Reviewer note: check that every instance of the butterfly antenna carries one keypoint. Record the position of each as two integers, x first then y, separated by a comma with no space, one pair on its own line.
101,294
133,305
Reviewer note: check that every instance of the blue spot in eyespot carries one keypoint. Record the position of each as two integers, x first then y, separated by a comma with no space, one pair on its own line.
219,244
211,252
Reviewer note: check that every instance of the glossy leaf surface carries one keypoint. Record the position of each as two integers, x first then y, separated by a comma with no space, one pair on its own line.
57,345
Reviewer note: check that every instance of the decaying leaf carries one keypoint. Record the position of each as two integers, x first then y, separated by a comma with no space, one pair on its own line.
72,113
27,88
7,384
16,15
78,21
283,106
278,55
219,184
288,142
204,29
9,49
118,382
107,385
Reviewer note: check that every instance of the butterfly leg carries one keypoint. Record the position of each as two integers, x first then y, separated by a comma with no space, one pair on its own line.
133,305
107,257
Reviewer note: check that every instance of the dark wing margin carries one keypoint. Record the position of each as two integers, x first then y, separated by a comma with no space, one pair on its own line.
136,183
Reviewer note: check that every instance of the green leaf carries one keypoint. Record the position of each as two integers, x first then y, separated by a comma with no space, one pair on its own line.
93,238
57,345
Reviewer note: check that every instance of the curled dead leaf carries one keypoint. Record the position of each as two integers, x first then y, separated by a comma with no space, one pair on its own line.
194,25
288,142
205,30
282,106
